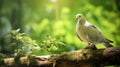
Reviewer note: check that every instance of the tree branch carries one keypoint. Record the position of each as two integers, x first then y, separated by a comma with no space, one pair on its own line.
79,58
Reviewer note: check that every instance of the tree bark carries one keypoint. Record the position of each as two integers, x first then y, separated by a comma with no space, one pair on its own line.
80,58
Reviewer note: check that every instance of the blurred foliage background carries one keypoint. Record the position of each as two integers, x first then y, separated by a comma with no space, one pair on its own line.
48,26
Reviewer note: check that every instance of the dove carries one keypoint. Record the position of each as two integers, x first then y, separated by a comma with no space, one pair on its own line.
89,33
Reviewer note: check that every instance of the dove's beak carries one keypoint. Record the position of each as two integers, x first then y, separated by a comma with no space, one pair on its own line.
76,19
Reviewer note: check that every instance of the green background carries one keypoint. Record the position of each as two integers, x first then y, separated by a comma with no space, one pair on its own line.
51,25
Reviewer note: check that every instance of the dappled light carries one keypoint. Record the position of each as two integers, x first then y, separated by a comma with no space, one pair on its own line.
49,25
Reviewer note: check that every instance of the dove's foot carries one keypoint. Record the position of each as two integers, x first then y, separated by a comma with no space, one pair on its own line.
91,46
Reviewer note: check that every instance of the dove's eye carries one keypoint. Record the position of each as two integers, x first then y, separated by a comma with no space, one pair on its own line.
79,16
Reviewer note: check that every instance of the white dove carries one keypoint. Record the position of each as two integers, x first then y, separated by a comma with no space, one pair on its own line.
90,33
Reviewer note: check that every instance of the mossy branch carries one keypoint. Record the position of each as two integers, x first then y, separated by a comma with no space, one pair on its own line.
79,58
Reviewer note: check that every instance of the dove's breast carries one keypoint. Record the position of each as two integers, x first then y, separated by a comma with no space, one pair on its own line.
89,33
81,33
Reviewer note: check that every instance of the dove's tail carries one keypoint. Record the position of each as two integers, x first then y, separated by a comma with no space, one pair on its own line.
107,43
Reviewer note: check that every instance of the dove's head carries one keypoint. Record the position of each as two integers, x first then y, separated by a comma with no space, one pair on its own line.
80,18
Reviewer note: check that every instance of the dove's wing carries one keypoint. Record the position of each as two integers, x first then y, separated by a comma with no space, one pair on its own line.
94,33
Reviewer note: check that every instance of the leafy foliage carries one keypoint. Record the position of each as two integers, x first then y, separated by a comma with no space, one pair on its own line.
20,42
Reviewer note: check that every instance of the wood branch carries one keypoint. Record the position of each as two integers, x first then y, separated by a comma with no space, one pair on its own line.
79,58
